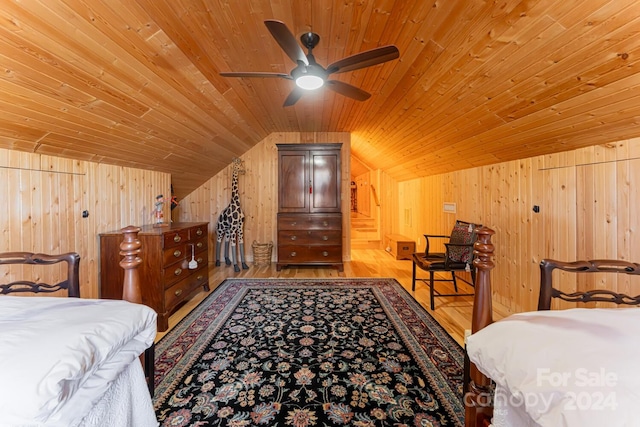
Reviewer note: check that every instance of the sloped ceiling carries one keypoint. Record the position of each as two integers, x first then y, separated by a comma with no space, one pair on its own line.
136,83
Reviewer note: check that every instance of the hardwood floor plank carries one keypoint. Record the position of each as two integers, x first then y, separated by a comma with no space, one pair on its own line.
453,313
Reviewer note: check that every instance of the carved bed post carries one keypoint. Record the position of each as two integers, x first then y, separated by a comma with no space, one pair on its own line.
477,400
129,249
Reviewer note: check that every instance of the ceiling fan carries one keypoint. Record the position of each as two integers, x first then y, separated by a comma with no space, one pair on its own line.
308,74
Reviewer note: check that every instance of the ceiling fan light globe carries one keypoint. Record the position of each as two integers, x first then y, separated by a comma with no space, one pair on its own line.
309,82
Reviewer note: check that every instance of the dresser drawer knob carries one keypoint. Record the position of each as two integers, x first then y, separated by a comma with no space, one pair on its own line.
177,238
178,271
199,277
294,237
199,245
200,260
177,253
294,223
325,253
199,232
178,292
325,237
325,223
294,254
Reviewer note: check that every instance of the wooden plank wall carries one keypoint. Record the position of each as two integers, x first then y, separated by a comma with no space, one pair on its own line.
258,189
588,201
44,200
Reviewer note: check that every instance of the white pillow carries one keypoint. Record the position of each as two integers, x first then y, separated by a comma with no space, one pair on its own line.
577,367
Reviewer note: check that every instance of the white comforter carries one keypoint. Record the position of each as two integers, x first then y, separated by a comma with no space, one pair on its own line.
58,356
576,367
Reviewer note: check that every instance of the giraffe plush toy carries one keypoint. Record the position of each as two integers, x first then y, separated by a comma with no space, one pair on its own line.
230,223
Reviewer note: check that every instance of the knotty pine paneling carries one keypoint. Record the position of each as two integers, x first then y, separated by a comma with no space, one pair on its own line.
45,197
258,189
588,202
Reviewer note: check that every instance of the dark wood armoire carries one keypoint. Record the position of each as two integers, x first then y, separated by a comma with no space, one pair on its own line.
309,205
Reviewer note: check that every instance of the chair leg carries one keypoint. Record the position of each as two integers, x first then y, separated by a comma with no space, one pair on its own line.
455,283
413,281
431,292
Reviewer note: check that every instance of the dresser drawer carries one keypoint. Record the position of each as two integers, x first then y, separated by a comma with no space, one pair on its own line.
324,222
176,293
175,272
293,254
196,233
309,222
292,222
200,245
325,237
172,255
293,237
330,253
175,238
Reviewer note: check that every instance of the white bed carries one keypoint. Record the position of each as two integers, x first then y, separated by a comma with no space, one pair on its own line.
74,362
576,367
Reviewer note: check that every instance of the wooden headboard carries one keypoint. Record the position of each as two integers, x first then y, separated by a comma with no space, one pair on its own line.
548,292
71,283
129,249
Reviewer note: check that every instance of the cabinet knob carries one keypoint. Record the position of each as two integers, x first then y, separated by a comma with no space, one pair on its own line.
177,238
325,237
293,223
199,245
294,237
325,253
178,292
199,232
178,271
294,254
325,223
200,260
177,253
199,278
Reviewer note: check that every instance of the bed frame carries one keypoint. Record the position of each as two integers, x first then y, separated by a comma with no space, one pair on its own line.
129,249
478,389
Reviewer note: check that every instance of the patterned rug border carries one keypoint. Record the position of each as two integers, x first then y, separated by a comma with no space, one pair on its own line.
437,381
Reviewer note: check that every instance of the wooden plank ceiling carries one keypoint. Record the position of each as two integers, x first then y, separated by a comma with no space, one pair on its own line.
136,83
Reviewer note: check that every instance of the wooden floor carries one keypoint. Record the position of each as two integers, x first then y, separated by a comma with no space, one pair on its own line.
454,314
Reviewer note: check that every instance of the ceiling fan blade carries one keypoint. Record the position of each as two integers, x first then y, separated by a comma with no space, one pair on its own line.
293,97
364,59
347,90
256,74
286,40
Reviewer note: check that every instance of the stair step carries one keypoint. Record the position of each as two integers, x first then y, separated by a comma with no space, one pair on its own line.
365,244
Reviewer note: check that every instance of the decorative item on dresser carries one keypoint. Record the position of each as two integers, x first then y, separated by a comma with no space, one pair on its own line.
175,265
309,209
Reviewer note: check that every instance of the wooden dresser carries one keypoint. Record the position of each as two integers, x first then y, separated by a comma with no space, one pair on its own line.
309,205
165,277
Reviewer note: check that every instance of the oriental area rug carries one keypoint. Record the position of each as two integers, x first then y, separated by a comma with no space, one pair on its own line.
309,352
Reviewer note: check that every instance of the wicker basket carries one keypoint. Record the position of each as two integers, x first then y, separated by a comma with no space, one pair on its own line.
261,253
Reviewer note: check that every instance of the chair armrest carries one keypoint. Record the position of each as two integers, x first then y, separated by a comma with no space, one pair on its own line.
426,239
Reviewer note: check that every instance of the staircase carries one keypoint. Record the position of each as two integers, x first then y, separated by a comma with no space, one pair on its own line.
364,232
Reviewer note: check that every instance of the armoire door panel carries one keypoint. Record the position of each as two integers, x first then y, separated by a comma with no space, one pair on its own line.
293,193
325,176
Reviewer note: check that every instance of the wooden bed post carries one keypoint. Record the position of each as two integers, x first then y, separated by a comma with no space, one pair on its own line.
129,249
478,399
